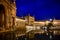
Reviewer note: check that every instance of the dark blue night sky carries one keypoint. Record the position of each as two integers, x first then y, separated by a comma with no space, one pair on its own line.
41,9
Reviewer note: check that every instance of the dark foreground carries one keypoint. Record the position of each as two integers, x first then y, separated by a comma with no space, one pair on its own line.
40,37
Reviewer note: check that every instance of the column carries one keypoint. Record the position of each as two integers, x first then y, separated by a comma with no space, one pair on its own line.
6,20
3,22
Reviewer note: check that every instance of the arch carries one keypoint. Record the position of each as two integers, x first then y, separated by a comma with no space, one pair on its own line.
2,8
2,15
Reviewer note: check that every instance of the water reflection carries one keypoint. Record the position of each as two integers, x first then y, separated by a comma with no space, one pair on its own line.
38,36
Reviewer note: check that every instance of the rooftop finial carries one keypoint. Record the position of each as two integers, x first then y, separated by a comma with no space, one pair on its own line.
28,14
22,17
54,18
14,1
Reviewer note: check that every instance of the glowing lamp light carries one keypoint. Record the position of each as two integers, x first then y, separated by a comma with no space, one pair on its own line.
55,22
38,27
50,19
47,22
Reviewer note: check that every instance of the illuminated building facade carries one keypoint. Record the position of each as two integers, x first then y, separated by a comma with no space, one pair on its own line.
7,19
30,23
20,26
29,19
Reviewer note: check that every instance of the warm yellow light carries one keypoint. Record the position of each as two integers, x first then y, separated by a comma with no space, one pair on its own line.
55,22
47,22
20,19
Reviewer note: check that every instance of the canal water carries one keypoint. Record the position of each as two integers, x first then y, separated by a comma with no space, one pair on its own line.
40,37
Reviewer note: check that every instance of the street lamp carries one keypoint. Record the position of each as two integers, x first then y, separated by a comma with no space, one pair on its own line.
48,28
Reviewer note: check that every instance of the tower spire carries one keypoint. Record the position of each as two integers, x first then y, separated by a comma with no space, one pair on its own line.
14,0
54,18
22,17
28,14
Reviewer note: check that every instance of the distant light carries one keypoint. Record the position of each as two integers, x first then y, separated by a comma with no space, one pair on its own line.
46,33
29,28
38,27
17,38
47,22
50,36
55,22
50,19
45,28
54,32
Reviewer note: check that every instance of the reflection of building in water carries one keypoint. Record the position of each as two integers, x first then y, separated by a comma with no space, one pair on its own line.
7,18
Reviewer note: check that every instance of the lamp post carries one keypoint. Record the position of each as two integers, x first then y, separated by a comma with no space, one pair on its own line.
48,28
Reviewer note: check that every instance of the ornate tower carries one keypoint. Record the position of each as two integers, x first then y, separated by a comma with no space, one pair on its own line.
7,19
30,19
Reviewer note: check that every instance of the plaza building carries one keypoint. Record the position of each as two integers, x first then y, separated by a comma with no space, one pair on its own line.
30,23
20,27
7,19
56,22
